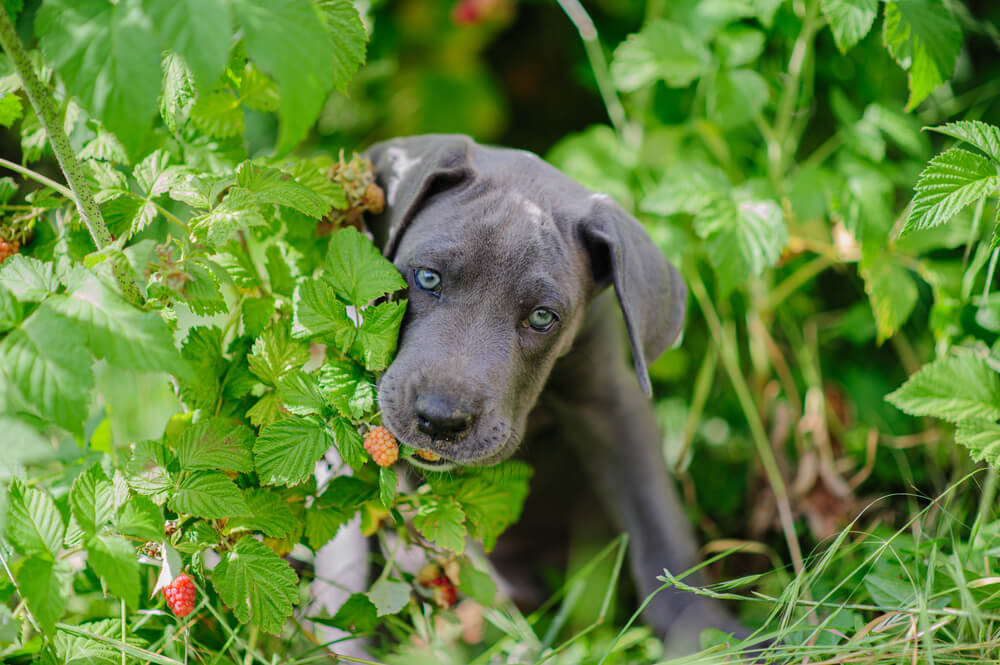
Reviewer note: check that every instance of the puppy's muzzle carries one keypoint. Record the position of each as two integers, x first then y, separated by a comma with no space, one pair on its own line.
441,417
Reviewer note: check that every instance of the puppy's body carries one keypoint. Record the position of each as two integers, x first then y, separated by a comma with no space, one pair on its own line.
513,338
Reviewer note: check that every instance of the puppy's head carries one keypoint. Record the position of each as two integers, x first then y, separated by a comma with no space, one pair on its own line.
502,255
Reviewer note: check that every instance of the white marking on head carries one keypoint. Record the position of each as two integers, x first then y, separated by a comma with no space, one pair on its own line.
400,163
532,211
600,197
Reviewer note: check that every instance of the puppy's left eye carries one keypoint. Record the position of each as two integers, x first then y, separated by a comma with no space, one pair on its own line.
542,319
427,279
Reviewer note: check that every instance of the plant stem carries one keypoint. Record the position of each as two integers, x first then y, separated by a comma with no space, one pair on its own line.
46,109
795,280
730,360
34,175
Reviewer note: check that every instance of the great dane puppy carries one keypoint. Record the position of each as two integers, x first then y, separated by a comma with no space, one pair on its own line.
518,281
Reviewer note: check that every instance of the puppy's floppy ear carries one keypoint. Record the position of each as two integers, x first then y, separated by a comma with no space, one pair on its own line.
650,291
410,170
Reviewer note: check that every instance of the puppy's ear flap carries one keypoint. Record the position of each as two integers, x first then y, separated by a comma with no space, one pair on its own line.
650,291
410,170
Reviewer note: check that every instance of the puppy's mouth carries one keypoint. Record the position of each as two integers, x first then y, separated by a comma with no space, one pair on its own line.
439,464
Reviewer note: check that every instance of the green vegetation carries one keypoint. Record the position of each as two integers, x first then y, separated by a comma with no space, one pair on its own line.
178,345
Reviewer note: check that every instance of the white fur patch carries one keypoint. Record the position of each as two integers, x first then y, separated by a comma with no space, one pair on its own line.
531,210
400,163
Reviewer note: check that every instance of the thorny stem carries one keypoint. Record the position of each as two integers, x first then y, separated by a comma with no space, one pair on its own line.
45,107
730,360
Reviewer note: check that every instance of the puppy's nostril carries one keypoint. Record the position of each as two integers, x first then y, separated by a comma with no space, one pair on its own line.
440,418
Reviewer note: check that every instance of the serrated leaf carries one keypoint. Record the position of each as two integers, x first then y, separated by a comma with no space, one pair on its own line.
11,311
10,628
322,525
199,30
178,91
387,482
492,499
258,91
141,518
11,109
350,444
257,314
736,96
118,332
348,387
148,471
317,312
984,136
739,45
171,566
348,35
375,343
271,186
850,20
34,524
956,387
28,279
476,584
237,211
689,188
661,50
109,57
218,114
90,499
891,292
270,515
442,521
216,443
203,351
275,353
356,269
389,597
208,494
925,39
951,181
42,360
258,584
114,561
742,239
267,410
44,585
356,615
196,537
982,438
300,393
287,450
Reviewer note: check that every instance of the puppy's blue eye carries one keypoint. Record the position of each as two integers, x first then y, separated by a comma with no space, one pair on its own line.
427,279
541,319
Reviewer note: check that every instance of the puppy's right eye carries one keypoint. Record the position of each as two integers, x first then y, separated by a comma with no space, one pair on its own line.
427,279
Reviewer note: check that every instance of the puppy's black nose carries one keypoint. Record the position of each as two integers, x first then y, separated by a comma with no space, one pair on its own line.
441,418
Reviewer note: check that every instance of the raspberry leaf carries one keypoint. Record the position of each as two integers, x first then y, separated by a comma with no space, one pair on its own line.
216,443
237,211
199,31
956,387
28,279
951,181
375,343
849,20
286,451
300,393
275,353
114,561
271,515
273,187
349,388
91,500
979,134
443,522
258,584
891,292
141,518
925,39
350,444
475,583
356,269
661,50
318,313
208,494
11,311
34,525
356,615
492,499
387,482
389,597
148,471
44,585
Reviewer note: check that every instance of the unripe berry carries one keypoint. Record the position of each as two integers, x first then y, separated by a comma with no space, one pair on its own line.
180,595
428,455
382,446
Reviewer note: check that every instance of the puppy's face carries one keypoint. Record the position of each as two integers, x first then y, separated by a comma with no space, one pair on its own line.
496,294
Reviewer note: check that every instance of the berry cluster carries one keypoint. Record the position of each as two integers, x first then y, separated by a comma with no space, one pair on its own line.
444,592
8,248
180,595
356,178
382,446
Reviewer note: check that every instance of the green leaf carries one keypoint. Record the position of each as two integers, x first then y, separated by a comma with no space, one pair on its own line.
11,311
736,96
274,187
356,615
891,291
44,585
349,388
982,438
951,181
389,597
387,482
925,39
200,31
346,494
492,499
476,584
267,410
118,332
258,91
350,444
286,451
347,33
442,521
28,279
91,500
956,387
42,359
979,134
300,393
34,524
141,518
259,585
178,91
237,211
742,239
275,353
208,494
257,314
11,109
356,269
109,57
148,471
114,561
661,50
740,45
375,343
218,114
216,443
322,525
10,628
271,515
203,351
850,20
319,313
289,41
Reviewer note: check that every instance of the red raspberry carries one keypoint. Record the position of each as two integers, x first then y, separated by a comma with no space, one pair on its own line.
382,446
180,595
8,248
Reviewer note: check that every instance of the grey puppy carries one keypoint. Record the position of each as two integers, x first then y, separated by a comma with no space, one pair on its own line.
513,338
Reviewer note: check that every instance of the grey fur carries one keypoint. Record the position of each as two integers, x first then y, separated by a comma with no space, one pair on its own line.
508,233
